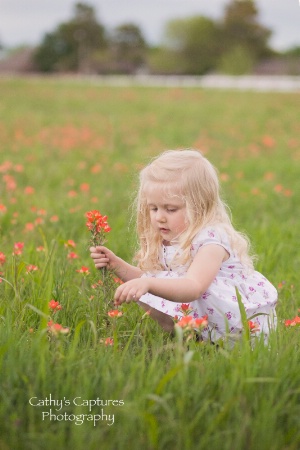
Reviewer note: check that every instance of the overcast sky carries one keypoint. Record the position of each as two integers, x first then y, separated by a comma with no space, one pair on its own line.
26,21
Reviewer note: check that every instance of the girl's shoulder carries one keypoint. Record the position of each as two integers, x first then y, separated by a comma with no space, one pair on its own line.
213,234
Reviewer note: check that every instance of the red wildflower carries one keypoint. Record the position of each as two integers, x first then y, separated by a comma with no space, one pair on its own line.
185,322
185,309
96,222
55,306
72,194
41,212
18,248
84,270
56,328
109,341
84,187
29,226
268,141
185,306
70,243
72,255
2,258
118,280
31,268
96,168
3,209
29,190
190,323
98,226
293,322
253,326
200,322
95,285
115,313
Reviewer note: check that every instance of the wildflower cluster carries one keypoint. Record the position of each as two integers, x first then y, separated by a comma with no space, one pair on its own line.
98,226
56,329
253,326
191,326
295,322
54,306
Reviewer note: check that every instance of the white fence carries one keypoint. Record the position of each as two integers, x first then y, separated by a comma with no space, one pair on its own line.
252,83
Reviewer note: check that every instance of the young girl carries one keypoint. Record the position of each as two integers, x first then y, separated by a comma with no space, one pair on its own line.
189,252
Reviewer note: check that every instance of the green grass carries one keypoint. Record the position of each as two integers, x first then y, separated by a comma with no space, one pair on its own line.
57,136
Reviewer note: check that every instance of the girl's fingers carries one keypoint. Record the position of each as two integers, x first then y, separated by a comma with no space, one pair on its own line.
124,294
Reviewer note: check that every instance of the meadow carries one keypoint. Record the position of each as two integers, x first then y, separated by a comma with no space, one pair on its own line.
72,376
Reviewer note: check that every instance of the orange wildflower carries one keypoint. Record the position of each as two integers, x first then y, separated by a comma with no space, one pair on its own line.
72,194
115,313
268,141
84,187
224,177
41,212
96,168
278,188
269,176
29,190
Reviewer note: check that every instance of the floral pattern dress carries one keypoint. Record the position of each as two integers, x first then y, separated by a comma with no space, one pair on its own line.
220,301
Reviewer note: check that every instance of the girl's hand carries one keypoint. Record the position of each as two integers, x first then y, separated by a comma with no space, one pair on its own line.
131,290
103,257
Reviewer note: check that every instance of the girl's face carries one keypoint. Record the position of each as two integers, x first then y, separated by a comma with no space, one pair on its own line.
167,213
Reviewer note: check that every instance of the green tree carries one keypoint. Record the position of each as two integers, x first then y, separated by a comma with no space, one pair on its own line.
240,27
192,45
72,44
128,47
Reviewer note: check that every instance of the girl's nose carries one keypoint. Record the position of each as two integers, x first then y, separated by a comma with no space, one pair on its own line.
160,216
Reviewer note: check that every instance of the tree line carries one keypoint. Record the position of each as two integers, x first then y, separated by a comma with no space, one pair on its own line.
195,45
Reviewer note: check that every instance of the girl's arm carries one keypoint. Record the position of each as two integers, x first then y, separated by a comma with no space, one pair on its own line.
103,257
198,278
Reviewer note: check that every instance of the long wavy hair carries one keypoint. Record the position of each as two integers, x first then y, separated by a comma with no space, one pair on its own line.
191,177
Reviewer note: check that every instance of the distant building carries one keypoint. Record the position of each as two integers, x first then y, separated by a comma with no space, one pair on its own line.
19,62
280,65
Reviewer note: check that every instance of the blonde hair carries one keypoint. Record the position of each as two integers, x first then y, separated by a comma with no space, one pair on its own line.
195,181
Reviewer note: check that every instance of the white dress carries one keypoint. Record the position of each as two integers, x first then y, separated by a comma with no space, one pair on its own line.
219,302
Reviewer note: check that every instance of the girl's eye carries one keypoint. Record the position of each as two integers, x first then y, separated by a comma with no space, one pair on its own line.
171,210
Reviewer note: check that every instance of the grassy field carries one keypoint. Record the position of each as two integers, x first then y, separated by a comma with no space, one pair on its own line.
68,147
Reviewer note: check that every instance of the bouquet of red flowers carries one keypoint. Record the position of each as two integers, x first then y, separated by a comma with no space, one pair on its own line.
98,226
